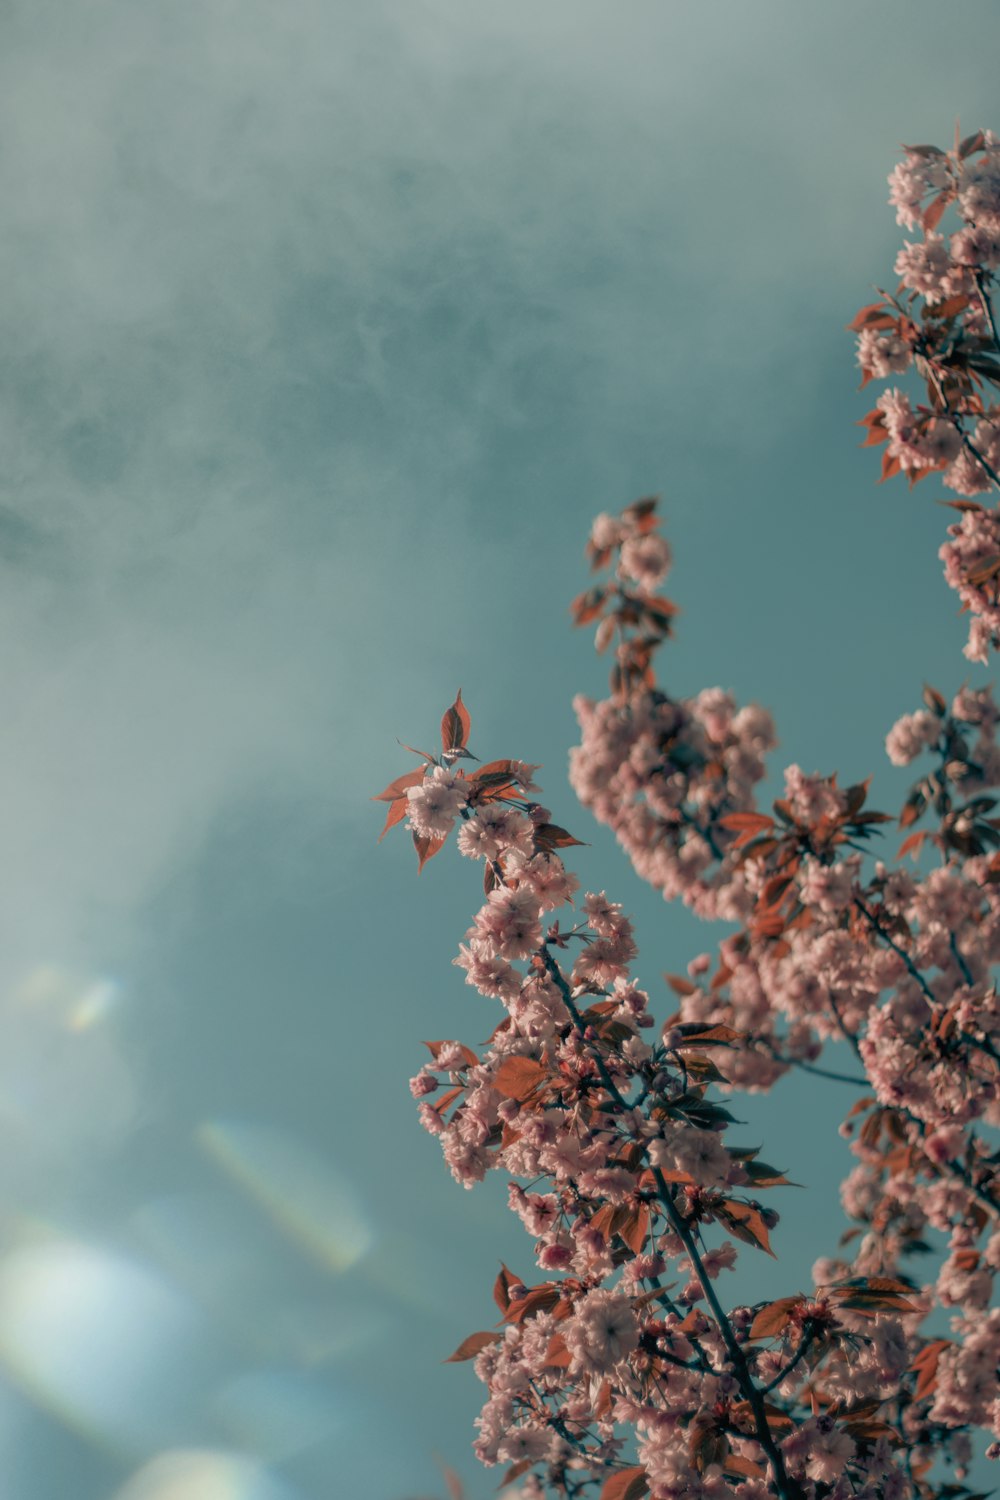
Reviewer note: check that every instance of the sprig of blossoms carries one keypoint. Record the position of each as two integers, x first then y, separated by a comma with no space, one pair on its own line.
623,1175
896,964
941,324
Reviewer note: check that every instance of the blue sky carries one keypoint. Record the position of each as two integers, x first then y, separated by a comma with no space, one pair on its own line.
326,330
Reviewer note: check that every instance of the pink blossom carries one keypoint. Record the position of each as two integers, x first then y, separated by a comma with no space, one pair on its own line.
603,1331
911,735
699,1153
979,190
926,267
646,559
433,806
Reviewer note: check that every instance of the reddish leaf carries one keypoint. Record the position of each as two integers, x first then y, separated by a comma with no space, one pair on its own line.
515,1471
773,1319
769,924
774,889
398,788
470,1347
932,214
627,1484
396,814
519,1077
602,1405
455,726
501,1287
441,1102
873,1294
705,1034
746,824
971,143
551,836
426,848
913,844
949,308
925,1366
745,1223
874,315
588,605
763,1175
557,1356
454,1484
680,985
539,1299
738,1466
988,568
962,504
634,1229
890,467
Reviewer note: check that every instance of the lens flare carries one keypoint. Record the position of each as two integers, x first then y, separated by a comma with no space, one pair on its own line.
204,1475
103,1344
307,1198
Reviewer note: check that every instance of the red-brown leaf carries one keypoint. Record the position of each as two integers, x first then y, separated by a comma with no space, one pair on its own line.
551,836
634,1229
680,985
773,1319
455,726
874,315
627,1484
740,1467
931,216
588,605
745,1223
395,814
501,1287
454,1484
516,1470
988,568
913,844
557,1356
746,822
470,1347
519,1077
426,848
890,467
925,1366
398,788
972,143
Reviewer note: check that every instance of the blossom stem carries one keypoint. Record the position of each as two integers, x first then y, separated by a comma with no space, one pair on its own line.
845,1032
912,969
799,1354
680,1227
797,1062
559,980
745,1379
984,464
959,1174
987,306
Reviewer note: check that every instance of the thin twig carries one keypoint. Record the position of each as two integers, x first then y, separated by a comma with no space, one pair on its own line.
987,306
681,1228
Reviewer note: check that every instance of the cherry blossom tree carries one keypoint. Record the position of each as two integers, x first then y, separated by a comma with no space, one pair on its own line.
615,1368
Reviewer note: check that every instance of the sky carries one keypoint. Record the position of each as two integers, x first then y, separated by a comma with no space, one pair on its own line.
326,329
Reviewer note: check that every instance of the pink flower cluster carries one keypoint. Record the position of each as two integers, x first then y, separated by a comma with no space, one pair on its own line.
941,322
620,1171
662,773
972,568
620,1370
